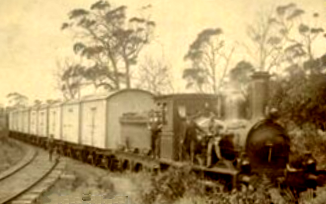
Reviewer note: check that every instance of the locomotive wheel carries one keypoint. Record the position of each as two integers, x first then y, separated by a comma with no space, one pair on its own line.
69,153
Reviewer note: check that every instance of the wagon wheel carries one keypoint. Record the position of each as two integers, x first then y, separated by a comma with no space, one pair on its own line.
89,159
69,153
78,155
93,160
105,163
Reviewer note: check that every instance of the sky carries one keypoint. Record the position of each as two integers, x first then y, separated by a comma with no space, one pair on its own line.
31,41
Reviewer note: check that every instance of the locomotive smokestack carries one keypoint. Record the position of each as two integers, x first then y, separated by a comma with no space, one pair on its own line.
259,94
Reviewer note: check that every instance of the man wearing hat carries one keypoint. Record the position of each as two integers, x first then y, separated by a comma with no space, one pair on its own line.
189,140
155,127
214,130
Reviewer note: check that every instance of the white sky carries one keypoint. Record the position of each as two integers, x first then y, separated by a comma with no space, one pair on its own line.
31,40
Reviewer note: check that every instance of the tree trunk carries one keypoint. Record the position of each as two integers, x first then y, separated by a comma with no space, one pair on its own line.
128,86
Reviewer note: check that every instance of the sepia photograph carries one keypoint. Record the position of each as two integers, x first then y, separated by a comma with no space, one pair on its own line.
163,102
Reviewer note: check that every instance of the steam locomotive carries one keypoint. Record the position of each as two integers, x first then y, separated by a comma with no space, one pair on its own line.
111,131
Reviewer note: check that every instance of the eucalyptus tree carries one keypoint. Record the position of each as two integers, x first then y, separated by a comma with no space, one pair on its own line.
109,41
283,37
208,60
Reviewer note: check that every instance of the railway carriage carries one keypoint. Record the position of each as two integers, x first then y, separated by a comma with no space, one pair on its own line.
19,120
42,122
26,120
55,120
71,121
132,100
15,120
93,120
33,130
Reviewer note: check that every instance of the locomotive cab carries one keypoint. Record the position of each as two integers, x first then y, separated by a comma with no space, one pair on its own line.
174,109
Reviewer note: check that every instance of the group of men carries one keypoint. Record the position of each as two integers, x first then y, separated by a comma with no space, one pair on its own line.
188,138
190,141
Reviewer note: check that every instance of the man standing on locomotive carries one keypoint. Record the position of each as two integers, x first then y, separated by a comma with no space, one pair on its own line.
214,130
155,127
189,140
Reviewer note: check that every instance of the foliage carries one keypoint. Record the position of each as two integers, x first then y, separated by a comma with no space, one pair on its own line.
16,100
109,41
204,56
171,185
70,79
240,76
155,76
282,37
182,186
300,96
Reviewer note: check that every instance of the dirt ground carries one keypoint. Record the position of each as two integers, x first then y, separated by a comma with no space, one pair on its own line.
104,186
10,154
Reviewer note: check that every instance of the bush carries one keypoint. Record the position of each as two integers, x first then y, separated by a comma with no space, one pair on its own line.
308,138
172,185
181,186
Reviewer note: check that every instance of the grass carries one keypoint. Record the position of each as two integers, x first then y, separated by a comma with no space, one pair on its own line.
10,153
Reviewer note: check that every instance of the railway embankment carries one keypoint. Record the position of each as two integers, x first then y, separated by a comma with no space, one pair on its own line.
10,153
80,180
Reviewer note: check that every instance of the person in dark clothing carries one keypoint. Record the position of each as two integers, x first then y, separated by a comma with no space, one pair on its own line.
214,130
155,127
50,146
189,140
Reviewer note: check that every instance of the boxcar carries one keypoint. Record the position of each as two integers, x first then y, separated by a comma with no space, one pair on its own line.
55,120
93,119
42,121
26,120
19,120
100,126
11,121
33,120
71,121
135,132
125,101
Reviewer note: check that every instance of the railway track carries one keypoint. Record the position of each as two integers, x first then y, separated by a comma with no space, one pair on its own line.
32,171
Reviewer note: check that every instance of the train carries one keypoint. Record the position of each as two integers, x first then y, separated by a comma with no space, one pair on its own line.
111,131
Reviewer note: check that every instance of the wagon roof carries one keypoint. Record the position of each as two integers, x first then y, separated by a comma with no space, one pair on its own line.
106,96
56,104
187,95
43,106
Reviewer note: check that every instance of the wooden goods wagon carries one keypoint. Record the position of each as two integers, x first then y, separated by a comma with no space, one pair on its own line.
100,126
26,120
55,120
71,121
33,120
42,121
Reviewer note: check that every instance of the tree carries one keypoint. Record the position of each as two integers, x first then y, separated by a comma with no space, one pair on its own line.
240,76
37,102
281,37
154,76
70,78
205,55
109,41
300,96
16,100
